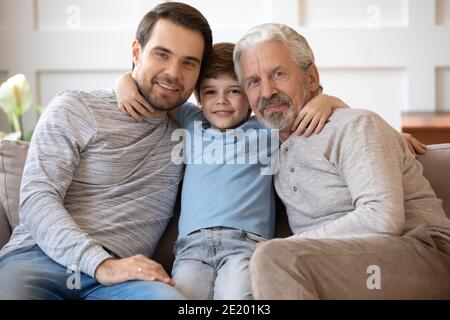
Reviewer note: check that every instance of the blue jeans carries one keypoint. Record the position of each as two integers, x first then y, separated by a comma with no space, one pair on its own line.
213,264
31,274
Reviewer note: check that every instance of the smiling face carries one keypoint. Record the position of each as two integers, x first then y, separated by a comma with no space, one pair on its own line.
167,68
276,87
224,103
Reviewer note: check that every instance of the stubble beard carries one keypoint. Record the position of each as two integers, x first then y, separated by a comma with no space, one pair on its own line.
276,120
159,101
281,120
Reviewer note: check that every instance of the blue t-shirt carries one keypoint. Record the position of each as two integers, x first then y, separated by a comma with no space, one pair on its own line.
227,180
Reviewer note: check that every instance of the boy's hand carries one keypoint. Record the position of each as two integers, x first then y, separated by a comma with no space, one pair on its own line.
138,267
129,100
313,116
415,146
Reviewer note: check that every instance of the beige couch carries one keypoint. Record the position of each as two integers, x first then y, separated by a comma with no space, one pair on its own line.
436,163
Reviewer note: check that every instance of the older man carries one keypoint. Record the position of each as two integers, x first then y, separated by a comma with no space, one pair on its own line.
98,189
366,222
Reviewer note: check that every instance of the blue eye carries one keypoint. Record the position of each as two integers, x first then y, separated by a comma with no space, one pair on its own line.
278,74
253,82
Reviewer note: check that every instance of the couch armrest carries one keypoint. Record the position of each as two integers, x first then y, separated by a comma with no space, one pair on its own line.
436,168
5,229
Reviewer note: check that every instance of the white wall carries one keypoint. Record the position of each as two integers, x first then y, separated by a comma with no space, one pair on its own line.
383,55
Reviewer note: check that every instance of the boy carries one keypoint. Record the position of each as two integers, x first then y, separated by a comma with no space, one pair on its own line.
225,208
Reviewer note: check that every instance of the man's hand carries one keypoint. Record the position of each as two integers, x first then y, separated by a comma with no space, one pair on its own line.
139,267
313,116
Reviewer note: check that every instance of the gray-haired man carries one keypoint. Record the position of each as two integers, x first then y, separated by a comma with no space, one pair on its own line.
367,223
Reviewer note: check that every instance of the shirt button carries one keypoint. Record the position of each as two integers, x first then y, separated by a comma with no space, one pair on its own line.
295,189
292,169
286,149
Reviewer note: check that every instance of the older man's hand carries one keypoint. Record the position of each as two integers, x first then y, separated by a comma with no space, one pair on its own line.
138,267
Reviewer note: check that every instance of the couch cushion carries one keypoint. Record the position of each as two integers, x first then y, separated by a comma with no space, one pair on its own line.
436,168
5,230
12,160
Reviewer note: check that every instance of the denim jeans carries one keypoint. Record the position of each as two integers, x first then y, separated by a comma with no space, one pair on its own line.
31,274
213,264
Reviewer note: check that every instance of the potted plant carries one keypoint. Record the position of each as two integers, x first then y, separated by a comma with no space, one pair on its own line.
15,101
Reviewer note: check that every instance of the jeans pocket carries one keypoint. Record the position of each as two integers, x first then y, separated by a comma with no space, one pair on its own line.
253,238
178,245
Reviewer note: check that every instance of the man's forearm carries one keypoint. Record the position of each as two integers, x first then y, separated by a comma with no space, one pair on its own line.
363,221
58,235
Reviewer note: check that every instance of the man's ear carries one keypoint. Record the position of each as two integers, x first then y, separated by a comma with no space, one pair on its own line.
313,79
136,52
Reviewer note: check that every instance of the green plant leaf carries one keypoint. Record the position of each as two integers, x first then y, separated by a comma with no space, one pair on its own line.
29,136
39,108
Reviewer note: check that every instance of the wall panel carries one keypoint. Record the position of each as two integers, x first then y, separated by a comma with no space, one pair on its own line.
379,90
371,14
443,89
52,82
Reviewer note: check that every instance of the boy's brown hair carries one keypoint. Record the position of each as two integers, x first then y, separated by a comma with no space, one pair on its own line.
218,63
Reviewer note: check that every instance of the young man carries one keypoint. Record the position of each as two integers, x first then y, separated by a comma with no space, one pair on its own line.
98,188
355,196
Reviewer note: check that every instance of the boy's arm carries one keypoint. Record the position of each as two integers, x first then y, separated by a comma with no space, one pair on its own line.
313,116
129,100
414,145
133,104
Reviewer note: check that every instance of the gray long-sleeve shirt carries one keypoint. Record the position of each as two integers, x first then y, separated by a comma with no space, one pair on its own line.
356,178
96,184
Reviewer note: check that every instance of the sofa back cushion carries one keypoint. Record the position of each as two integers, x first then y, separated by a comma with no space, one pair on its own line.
12,160
436,168
5,229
